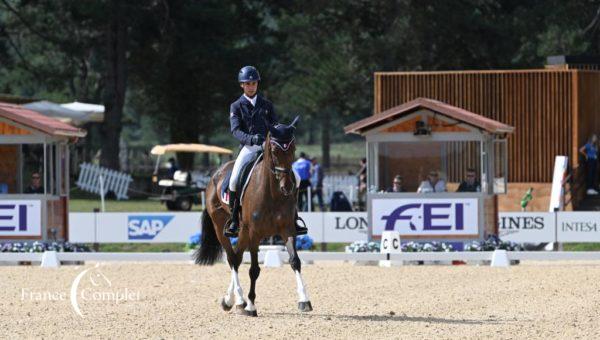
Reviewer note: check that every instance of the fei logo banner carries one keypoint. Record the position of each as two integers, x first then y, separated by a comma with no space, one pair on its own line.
20,218
425,216
146,227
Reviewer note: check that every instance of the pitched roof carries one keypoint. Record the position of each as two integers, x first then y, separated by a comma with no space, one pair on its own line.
454,112
37,121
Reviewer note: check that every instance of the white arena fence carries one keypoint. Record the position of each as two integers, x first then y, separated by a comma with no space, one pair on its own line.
324,227
91,175
53,259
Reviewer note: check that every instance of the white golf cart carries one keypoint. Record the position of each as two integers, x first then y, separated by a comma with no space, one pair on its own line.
179,191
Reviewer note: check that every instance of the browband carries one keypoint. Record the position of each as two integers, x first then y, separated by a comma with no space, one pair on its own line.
283,145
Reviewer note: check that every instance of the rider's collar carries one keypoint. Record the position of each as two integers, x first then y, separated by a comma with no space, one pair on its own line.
251,100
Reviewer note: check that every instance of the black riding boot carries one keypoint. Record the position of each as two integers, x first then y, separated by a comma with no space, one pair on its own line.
233,227
300,229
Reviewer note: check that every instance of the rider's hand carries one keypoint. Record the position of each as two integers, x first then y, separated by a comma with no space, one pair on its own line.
257,140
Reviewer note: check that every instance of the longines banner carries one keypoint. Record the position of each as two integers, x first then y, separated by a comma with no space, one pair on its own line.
578,226
526,227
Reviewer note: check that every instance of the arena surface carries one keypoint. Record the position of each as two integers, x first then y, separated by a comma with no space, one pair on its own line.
174,300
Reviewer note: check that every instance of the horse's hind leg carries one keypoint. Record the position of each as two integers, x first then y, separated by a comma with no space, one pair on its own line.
235,294
304,304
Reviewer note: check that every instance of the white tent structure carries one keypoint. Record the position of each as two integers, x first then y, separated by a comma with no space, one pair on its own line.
72,113
94,112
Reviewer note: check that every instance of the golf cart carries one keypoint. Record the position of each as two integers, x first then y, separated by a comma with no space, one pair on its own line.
178,190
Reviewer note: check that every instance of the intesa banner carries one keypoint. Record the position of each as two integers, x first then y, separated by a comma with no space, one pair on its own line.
526,227
454,217
578,226
20,218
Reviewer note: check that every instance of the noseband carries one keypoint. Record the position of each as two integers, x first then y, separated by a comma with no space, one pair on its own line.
279,171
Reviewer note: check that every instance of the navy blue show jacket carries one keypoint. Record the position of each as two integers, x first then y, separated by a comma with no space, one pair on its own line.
247,120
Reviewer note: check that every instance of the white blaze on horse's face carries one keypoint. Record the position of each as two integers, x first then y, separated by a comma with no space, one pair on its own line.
282,155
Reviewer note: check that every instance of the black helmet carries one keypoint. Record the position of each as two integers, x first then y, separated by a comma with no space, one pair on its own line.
247,74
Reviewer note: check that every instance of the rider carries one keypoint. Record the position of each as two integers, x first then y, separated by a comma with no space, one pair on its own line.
249,116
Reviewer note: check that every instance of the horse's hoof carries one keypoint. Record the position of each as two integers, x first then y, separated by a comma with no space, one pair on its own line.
240,309
305,306
224,305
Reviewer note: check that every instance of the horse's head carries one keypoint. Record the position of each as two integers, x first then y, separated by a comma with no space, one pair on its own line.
281,147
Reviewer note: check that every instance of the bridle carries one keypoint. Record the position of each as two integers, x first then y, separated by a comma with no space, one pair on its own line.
279,171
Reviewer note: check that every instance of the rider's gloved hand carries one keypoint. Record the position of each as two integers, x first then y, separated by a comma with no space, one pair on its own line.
257,139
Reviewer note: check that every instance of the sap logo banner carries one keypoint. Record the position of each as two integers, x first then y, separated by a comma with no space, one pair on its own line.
427,216
146,227
576,226
20,218
526,227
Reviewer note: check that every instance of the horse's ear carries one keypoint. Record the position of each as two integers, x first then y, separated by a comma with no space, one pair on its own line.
295,121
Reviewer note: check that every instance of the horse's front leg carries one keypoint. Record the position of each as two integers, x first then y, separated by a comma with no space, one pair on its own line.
304,304
254,272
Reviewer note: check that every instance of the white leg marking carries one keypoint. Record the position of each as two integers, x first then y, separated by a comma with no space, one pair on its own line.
302,293
228,298
301,287
237,288
250,306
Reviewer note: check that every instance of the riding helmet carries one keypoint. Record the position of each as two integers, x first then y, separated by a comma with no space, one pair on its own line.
247,74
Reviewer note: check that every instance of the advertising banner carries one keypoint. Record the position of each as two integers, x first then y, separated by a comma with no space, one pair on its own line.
345,226
20,218
178,227
526,227
578,226
424,217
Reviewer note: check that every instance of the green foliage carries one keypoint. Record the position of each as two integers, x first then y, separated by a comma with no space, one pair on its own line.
317,58
581,246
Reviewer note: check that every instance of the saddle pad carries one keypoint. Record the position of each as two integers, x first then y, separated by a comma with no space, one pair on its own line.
243,180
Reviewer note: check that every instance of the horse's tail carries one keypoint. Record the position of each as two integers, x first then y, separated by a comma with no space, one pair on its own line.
210,250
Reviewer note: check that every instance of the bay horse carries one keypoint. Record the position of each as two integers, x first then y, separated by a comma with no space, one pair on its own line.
268,208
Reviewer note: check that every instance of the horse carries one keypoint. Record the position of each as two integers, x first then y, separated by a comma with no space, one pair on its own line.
268,208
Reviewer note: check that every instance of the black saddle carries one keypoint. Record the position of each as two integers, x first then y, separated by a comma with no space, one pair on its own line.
243,179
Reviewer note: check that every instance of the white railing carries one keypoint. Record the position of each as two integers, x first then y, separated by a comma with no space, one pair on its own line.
317,256
100,180
348,184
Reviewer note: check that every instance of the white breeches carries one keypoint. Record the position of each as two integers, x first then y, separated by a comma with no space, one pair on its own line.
243,157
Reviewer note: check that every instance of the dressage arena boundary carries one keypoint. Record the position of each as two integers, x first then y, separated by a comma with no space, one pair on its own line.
309,257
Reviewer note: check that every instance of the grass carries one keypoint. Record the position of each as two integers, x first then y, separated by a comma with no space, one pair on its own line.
142,247
88,205
581,246
344,156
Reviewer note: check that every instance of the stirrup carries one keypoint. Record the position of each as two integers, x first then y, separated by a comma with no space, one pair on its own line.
301,229
229,231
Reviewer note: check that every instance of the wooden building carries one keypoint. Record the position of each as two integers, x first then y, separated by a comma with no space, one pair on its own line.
553,110
34,174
